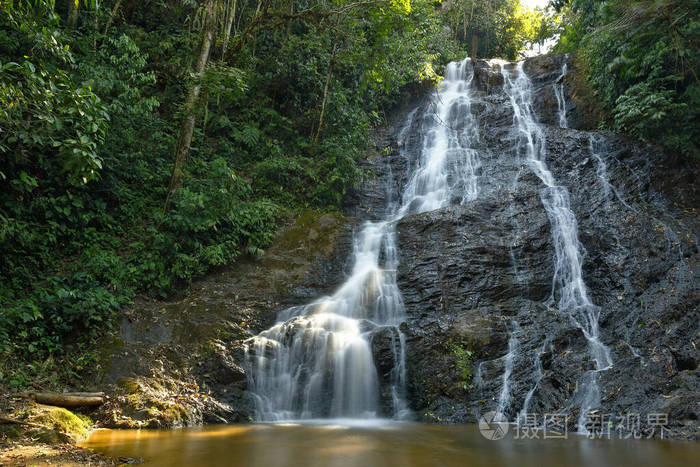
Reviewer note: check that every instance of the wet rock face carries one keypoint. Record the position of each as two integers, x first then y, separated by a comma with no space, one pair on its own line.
545,71
486,78
477,275
179,362
385,342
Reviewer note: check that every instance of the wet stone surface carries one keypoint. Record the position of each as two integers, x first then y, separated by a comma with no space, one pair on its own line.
475,274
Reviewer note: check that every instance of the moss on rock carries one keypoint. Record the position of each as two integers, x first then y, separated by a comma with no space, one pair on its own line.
63,421
46,423
589,111
144,404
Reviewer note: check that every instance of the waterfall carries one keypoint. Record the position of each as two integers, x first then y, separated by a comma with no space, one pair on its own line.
567,283
596,147
504,398
317,360
522,416
559,93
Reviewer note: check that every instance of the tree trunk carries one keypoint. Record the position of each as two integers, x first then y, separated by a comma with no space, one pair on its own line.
67,399
97,25
20,422
252,27
184,142
111,16
475,44
256,15
231,15
325,96
72,13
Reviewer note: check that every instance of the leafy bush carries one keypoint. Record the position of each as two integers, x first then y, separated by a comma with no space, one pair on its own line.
464,363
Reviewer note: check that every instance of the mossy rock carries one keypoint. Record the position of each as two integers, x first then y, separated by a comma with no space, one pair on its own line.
108,346
143,405
589,110
311,227
130,385
61,424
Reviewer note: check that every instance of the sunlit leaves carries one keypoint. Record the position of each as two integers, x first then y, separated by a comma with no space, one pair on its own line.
403,6
499,28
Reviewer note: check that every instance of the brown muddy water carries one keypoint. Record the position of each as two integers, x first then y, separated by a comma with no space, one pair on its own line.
386,444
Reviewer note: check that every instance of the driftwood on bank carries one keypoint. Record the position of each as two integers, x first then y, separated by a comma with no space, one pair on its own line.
67,399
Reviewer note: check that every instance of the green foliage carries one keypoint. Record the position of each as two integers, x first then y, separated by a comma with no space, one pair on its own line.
642,63
89,118
464,362
51,122
546,25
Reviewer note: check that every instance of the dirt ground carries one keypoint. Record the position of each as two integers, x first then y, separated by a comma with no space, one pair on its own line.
65,455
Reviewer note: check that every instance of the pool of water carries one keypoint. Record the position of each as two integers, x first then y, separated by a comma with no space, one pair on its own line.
344,443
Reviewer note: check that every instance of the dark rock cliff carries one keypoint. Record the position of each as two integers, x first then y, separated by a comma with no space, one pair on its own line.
474,275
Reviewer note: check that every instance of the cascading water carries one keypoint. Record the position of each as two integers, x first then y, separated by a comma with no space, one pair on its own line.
561,101
504,398
568,281
522,416
317,361
596,147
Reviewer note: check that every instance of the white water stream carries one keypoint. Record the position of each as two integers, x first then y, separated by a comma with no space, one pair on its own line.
561,101
317,360
567,284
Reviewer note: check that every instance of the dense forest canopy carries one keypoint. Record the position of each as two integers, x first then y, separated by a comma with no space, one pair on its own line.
643,58
145,142
491,28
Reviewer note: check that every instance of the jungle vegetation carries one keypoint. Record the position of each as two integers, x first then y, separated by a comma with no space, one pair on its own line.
144,142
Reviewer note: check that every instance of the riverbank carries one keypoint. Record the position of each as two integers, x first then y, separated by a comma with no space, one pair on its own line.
39,435
42,454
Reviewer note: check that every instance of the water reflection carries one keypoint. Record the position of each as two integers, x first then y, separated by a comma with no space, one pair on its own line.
390,444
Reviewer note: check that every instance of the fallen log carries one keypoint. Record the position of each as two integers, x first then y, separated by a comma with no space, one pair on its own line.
67,399
20,422
84,394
